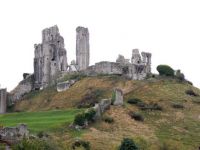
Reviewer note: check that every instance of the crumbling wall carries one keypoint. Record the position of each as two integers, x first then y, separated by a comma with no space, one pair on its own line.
24,87
50,57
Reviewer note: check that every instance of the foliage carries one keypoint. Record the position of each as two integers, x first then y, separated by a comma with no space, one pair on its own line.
90,114
134,101
137,116
90,98
128,144
74,76
151,106
108,119
34,144
42,134
82,118
81,143
177,105
191,93
165,70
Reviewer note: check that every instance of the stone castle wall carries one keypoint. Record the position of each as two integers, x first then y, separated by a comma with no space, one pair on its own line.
82,48
50,57
3,100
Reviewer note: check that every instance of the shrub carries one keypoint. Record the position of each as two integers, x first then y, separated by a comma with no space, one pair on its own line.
81,143
90,114
82,118
134,101
151,106
42,134
178,105
108,119
79,119
137,116
34,144
128,144
90,98
165,70
191,93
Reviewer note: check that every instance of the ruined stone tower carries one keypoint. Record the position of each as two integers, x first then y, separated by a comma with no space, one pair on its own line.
3,100
82,48
50,57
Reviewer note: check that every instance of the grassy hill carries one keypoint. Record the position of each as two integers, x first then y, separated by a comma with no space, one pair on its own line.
171,127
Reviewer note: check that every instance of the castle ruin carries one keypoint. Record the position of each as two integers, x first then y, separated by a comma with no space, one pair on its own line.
50,57
50,62
82,48
3,100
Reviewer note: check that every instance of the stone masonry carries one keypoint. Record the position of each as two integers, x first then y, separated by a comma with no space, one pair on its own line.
3,100
50,57
82,48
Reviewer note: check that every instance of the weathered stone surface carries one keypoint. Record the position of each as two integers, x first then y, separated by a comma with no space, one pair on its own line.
121,59
104,105
97,108
136,58
118,97
24,87
136,70
3,100
63,86
14,133
82,48
50,57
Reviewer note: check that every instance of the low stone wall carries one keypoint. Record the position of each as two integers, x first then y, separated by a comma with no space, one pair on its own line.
63,86
14,134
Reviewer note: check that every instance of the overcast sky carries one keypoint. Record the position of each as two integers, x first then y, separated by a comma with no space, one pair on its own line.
169,29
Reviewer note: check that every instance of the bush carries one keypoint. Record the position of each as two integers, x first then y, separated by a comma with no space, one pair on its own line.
191,93
34,144
81,143
134,101
151,106
165,70
178,105
87,116
137,116
90,114
128,144
108,119
42,134
79,119
90,98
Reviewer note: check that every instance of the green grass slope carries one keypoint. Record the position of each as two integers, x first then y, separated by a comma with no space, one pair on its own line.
172,128
40,121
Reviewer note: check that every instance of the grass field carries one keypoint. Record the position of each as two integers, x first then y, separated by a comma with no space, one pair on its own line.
40,121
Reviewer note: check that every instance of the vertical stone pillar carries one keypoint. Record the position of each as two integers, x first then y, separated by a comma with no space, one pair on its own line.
136,58
3,100
82,48
118,97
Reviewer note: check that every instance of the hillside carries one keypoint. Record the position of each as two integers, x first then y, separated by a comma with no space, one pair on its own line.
176,128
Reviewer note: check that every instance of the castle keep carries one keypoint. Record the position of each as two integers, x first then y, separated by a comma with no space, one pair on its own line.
82,48
50,63
50,57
